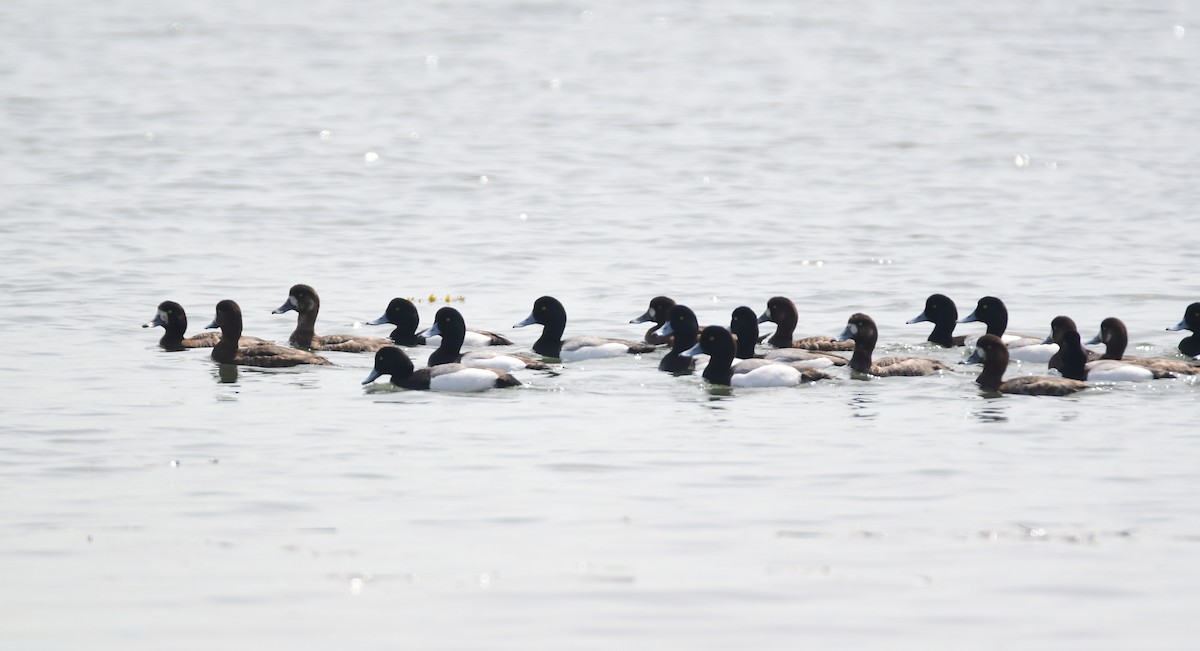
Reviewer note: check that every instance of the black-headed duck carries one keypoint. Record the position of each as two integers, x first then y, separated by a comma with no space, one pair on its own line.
1075,365
783,313
1190,346
992,312
457,378
1059,327
717,343
657,312
551,314
173,320
449,324
304,300
681,328
992,352
403,314
943,313
743,325
861,328
229,320
1115,338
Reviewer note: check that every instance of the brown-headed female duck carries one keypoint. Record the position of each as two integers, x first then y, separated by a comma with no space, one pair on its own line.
445,377
229,320
657,312
173,320
551,314
403,314
992,312
743,324
1190,346
861,328
1115,338
1076,366
681,329
992,352
943,313
782,311
304,300
717,343
450,326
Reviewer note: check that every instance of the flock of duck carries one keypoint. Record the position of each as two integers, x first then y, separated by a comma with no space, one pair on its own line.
731,353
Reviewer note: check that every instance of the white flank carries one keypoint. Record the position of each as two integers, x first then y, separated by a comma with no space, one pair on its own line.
1112,370
768,375
498,362
467,380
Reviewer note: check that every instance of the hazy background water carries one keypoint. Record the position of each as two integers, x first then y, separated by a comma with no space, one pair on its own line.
851,155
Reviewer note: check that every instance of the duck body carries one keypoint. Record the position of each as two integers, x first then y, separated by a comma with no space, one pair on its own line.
304,300
173,319
783,313
1190,346
943,313
660,307
992,312
743,324
993,353
229,320
1076,366
1115,337
862,330
551,314
455,378
718,344
450,326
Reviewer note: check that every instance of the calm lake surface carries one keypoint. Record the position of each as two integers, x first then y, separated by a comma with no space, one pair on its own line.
855,156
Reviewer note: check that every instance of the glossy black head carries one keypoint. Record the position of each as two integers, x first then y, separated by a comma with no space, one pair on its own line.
1074,357
992,312
943,313
657,312
402,314
390,361
683,327
743,324
449,324
547,311
301,298
171,317
1191,319
717,343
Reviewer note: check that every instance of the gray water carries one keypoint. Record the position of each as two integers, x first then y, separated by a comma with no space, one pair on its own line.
854,156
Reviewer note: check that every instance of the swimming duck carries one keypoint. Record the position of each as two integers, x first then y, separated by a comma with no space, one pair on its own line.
444,377
992,312
657,312
173,320
403,314
448,324
304,300
717,342
943,313
782,311
861,328
681,328
1190,346
992,352
229,320
1060,326
1076,366
743,324
549,312
1115,338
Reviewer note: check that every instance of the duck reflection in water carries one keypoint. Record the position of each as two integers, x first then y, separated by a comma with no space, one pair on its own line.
227,373
862,406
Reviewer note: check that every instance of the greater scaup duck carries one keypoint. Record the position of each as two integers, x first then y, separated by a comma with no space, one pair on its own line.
743,325
449,324
1076,366
444,377
304,300
681,328
1190,346
994,354
992,312
717,343
551,314
173,320
782,311
861,328
1115,338
1060,326
403,314
943,313
657,312
229,320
